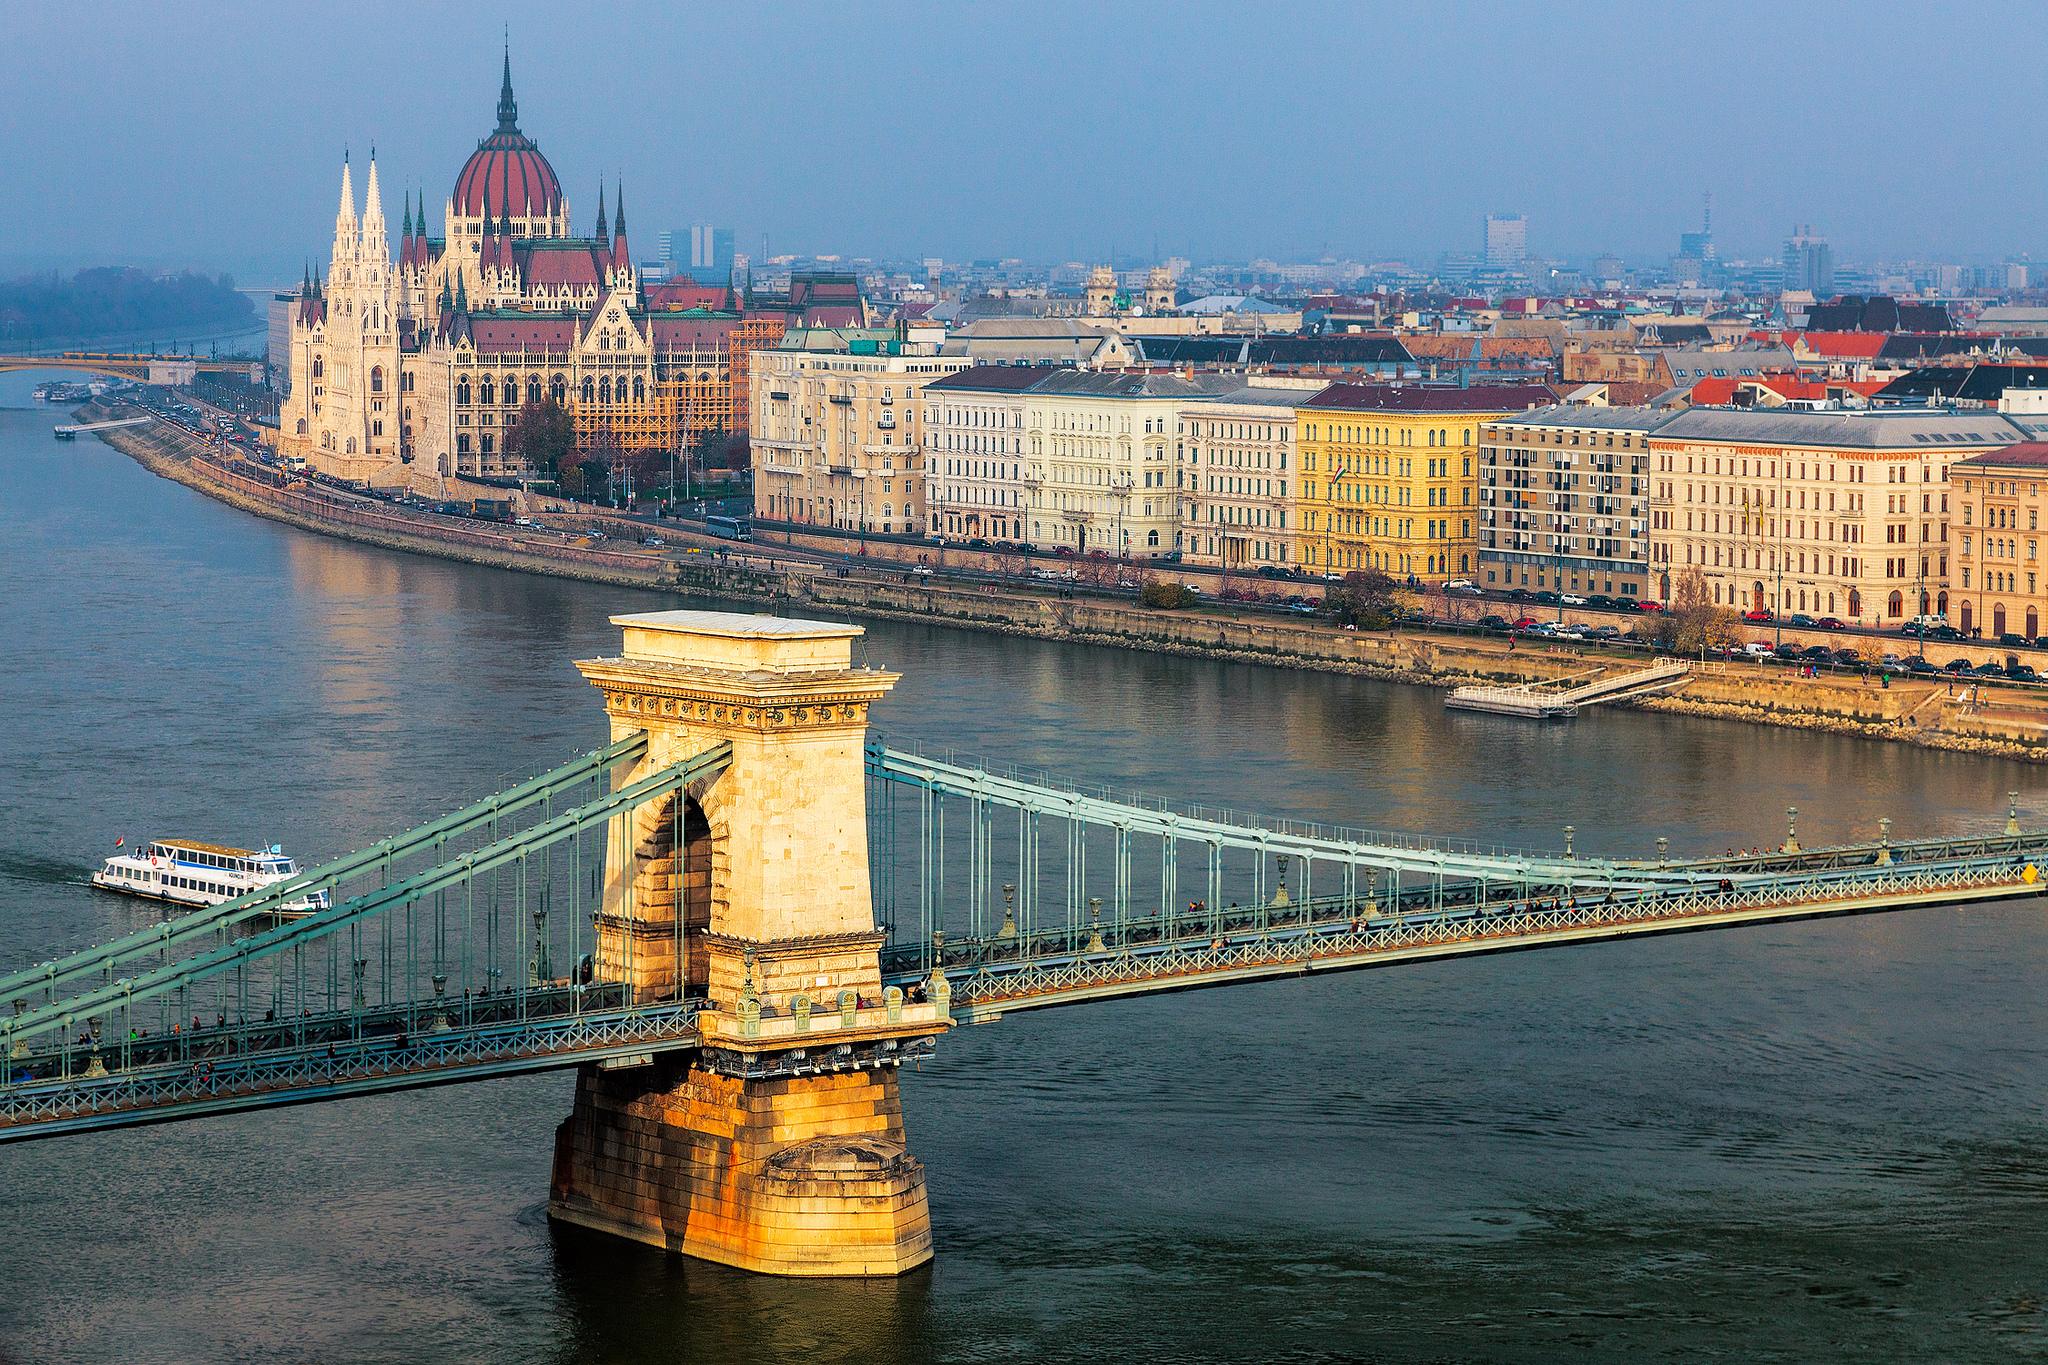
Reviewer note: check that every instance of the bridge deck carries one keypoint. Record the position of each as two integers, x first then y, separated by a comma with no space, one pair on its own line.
993,976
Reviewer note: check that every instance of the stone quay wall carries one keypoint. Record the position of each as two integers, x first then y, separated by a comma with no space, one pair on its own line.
2006,722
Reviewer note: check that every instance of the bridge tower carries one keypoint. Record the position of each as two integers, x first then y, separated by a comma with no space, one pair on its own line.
777,1145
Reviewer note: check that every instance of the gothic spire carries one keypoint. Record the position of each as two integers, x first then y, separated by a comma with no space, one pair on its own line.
508,108
604,235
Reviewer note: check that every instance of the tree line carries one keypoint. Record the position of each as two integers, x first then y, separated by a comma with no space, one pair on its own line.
543,438
117,299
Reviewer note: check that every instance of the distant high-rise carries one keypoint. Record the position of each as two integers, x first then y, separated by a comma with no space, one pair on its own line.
704,253
1809,263
1699,246
1507,241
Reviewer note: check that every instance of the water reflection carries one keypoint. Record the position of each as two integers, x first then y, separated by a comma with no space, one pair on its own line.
629,1304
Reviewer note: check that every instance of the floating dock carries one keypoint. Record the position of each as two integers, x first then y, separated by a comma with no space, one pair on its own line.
1561,700
71,431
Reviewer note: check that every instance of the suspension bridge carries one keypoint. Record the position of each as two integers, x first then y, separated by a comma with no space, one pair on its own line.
740,917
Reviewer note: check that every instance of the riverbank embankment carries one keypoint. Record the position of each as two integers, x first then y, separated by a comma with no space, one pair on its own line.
1937,713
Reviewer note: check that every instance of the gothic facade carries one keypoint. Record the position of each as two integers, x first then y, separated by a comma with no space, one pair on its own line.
419,363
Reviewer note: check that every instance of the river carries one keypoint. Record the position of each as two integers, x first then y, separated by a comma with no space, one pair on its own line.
1791,1142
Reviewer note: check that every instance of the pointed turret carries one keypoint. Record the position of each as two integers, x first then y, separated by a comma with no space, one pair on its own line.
345,216
622,257
604,235
374,237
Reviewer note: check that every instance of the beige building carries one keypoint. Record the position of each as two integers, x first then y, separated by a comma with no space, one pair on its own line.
1999,587
1831,512
1100,472
1236,458
836,439
1564,501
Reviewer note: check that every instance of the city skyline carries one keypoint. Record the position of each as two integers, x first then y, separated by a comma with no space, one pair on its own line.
849,134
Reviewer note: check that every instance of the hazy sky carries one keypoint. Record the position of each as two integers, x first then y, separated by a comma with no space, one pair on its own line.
212,134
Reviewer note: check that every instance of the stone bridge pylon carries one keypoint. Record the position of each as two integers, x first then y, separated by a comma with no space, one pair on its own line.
777,1145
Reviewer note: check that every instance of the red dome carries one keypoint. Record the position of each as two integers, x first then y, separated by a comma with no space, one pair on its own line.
507,177
506,174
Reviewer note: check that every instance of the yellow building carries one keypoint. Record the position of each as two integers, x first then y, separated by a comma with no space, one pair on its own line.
1390,475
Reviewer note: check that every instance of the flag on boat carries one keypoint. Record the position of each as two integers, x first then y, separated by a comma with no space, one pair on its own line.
120,841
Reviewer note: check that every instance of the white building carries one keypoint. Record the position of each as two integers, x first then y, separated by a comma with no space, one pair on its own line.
1237,465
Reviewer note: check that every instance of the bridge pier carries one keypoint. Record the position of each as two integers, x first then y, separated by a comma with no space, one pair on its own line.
777,1145
782,1174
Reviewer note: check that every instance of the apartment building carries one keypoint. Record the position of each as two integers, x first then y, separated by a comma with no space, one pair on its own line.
1997,501
1390,474
1564,501
973,424
1100,471
836,431
1237,463
1833,512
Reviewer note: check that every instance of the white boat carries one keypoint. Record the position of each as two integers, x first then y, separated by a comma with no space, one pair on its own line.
186,872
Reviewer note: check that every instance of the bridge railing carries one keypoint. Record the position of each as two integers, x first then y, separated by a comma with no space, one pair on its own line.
509,922
1002,981
207,925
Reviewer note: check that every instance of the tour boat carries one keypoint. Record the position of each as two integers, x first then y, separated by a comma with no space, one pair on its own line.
186,872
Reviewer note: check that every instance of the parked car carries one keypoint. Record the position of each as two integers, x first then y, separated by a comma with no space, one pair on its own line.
1830,623
1548,599
1757,649
1493,623
1944,633
1757,617
1957,666
1988,669
1848,658
2021,673
1800,619
2012,641
1525,623
1604,633
1819,654
1459,585
1789,650
1572,600
1649,606
1916,664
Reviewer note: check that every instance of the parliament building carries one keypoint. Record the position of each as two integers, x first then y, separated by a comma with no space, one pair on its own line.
417,365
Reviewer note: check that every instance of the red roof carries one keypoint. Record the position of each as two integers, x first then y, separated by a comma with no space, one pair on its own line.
1718,391
506,175
675,330
2019,455
532,334
679,294
1432,398
576,265
1856,345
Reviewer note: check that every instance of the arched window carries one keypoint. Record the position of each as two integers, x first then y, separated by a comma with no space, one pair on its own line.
351,446
302,426
589,389
639,388
1896,607
558,388
604,389
376,379
511,390
488,390
533,388
319,366
1855,601
1152,539
462,390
